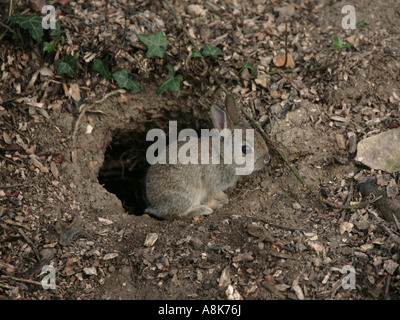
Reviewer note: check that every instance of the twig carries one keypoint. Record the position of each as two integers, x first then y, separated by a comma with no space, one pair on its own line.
286,51
381,281
35,250
16,224
278,226
22,280
359,205
7,27
392,235
278,197
73,153
5,158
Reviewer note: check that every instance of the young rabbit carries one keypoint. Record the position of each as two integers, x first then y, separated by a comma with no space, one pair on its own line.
188,190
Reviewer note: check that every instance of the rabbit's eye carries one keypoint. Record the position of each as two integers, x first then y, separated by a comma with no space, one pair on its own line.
246,149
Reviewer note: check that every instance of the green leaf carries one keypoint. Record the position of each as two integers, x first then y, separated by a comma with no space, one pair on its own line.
211,51
171,70
155,44
33,24
362,24
196,54
347,45
124,80
56,40
68,66
101,66
338,43
57,31
49,47
173,82
251,68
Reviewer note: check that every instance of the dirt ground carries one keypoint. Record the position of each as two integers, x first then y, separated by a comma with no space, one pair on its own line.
274,239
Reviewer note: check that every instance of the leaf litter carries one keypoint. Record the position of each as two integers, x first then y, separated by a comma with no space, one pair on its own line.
315,112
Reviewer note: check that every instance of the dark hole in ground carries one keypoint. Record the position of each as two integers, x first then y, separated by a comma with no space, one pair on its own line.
124,169
125,166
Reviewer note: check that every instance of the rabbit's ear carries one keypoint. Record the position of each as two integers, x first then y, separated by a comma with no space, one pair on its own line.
218,117
231,108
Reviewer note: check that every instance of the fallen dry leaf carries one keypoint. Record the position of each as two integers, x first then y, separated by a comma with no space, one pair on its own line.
279,61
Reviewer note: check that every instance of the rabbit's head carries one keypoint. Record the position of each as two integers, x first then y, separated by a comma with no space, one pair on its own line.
249,150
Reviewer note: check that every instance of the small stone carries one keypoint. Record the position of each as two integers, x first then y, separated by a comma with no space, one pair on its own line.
232,293
196,243
195,9
340,141
105,221
90,271
352,142
151,239
296,206
225,278
110,256
367,246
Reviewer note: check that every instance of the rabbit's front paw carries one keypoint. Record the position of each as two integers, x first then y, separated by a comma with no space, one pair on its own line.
199,210
222,197
218,201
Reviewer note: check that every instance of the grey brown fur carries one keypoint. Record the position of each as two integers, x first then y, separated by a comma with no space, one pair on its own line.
188,190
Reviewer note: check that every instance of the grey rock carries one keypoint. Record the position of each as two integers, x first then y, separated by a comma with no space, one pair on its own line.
381,151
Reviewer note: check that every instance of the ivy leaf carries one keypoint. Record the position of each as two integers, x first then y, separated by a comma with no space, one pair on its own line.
338,44
68,66
171,70
49,47
124,80
173,82
211,51
33,24
196,54
155,44
251,68
101,66
57,31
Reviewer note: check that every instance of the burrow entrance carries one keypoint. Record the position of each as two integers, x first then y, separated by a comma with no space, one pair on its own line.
124,169
125,166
